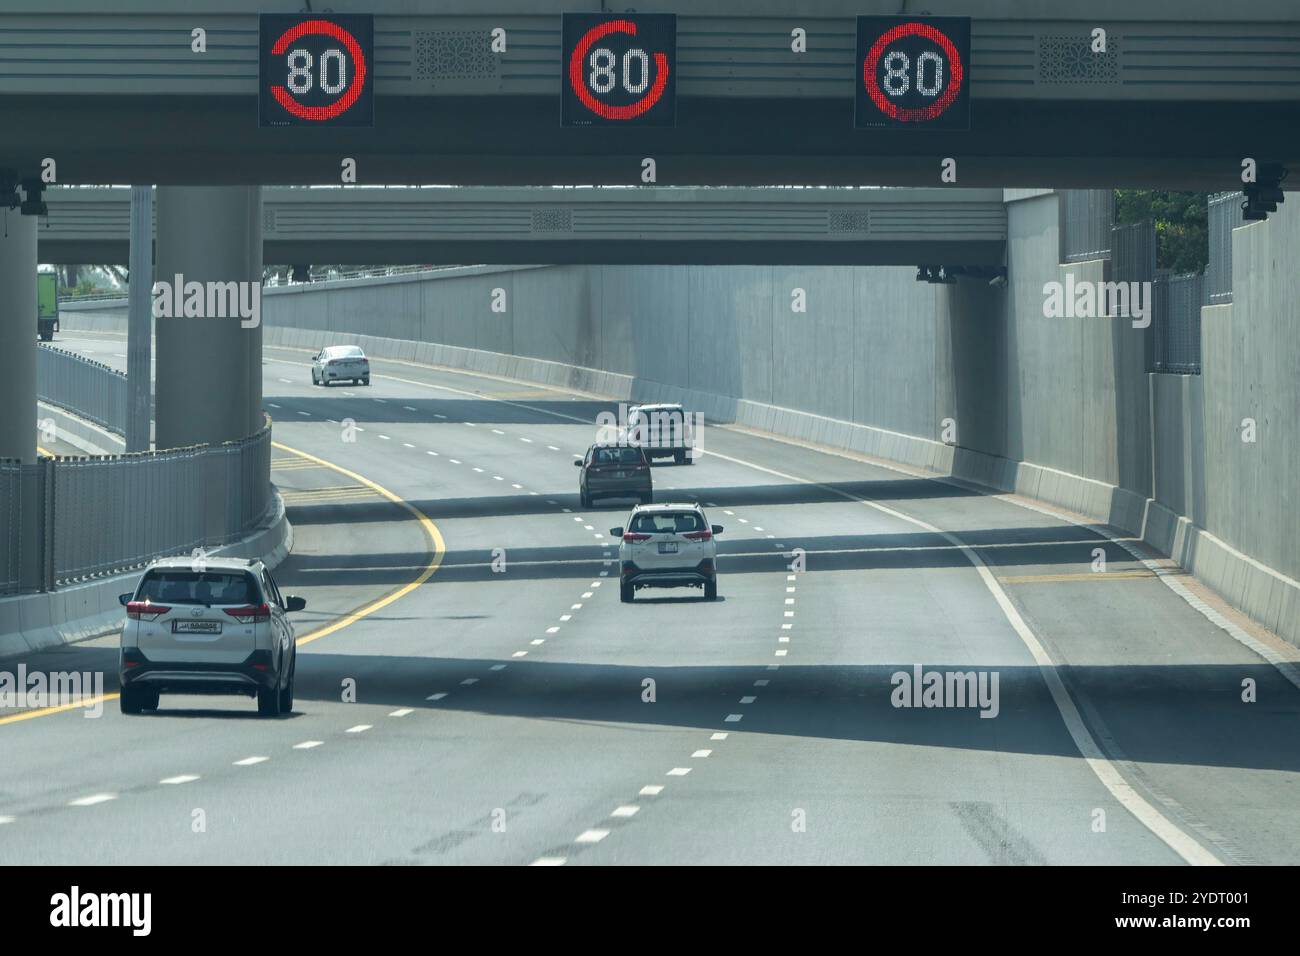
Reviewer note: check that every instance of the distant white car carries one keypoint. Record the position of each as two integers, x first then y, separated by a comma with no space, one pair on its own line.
667,546
340,363
663,430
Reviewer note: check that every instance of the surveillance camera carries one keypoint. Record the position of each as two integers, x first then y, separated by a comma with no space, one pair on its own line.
998,282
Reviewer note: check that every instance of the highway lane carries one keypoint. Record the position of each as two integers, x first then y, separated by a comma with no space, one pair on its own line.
560,741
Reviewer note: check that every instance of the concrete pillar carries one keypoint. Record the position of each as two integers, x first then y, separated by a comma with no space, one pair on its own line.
139,326
208,376
18,333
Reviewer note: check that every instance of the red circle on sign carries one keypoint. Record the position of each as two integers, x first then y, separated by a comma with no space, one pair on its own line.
892,110
339,106
604,110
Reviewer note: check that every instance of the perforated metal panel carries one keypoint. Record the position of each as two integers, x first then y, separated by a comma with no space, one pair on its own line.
1070,59
452,55
848,220
552,220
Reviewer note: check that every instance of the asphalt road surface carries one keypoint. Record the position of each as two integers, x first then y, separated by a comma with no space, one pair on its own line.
505,715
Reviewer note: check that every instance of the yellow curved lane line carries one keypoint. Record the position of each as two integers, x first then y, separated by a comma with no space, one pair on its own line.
430,529
46,711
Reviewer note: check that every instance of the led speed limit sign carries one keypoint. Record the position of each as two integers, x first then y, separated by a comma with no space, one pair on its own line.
913,72
316,70
618,69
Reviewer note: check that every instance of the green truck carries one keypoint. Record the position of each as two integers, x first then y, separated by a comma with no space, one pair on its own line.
47,305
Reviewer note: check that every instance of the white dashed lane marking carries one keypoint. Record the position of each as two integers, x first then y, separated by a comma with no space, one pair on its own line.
358,729
179,779
93,799
308,744
249,761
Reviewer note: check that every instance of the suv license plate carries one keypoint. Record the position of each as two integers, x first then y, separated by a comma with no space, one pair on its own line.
196,627
667,547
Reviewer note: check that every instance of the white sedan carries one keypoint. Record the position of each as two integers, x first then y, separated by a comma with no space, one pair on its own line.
340,363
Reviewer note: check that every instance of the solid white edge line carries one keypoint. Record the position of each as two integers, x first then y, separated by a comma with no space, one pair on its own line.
1105,771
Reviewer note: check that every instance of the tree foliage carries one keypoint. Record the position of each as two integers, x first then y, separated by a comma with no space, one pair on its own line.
1182,234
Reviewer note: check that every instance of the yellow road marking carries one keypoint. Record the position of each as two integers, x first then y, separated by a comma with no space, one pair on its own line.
46,711
1081,576
430,529
299,495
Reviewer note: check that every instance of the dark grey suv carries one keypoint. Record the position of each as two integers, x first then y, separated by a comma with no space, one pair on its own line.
614,471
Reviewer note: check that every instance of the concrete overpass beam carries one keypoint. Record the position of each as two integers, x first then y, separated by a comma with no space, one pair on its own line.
208,381
18,332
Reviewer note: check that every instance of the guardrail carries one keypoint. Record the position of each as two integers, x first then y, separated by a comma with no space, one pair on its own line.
72,519
90,390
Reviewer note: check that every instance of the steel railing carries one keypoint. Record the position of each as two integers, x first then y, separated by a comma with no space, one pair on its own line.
118,512
69,519
92,391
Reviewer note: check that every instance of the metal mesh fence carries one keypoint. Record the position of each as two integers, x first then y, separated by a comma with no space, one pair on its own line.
1224,216
1176,324
93,391
11,518
1134,252
1086,219
84,517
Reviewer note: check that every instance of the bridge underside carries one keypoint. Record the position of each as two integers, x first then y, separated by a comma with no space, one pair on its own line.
560,252
492,140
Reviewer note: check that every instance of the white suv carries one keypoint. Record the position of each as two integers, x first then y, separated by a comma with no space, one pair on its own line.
662,431
667,546
208,626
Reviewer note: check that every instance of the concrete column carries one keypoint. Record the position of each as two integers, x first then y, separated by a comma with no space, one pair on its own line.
18,333
139,327
208,379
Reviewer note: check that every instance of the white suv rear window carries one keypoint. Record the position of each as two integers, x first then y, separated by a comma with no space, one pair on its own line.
667,522
198,587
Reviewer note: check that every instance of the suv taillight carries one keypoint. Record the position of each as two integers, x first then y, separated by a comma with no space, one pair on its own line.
249,615
145,610
631,536
699,535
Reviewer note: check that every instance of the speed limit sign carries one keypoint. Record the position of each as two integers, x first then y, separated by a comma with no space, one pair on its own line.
618,69
316,70
913,72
